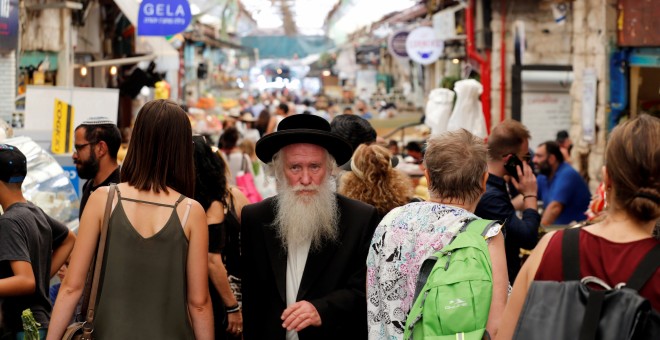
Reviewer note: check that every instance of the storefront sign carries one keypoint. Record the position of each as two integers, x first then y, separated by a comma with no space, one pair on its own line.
367,55
8,25
62,127
397,44
424,46
163,17
589,88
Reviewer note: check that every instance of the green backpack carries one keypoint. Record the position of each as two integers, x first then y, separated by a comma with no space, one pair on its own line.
454,288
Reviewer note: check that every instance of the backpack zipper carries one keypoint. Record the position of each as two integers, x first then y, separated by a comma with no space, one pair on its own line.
448,254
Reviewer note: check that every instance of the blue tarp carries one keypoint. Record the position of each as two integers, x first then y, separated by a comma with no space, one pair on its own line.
284,47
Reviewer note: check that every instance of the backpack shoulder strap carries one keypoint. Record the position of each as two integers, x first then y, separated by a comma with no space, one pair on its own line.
424,273
645,269
481,226
478,226
570,254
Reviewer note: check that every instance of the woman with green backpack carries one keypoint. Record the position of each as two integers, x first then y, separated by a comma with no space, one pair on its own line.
434,269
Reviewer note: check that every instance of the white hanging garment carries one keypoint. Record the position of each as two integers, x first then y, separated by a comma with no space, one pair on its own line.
438,110
468,113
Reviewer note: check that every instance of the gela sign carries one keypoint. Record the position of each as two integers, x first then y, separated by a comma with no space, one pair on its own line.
163,17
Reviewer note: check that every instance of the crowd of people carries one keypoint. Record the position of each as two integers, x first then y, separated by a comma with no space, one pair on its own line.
333,246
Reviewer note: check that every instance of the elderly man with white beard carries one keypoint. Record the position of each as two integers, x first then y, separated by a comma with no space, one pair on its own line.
304,250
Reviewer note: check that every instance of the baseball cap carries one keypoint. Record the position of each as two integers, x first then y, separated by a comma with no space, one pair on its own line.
13,165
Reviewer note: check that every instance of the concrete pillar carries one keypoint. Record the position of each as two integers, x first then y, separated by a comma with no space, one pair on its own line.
65,55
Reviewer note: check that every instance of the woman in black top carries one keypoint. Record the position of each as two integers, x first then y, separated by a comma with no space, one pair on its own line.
220,202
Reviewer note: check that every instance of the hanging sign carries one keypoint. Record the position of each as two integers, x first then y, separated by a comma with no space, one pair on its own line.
397,44
62,128
424,46
589,91
8,25
163,17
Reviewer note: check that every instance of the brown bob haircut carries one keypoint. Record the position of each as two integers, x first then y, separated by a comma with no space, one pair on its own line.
456,163
161,151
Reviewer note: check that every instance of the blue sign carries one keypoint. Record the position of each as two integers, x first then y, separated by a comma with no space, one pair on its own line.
8,25
72,174
163,17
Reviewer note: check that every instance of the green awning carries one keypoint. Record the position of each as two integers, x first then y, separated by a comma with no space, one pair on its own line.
33,58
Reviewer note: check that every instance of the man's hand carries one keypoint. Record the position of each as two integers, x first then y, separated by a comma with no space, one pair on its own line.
235,323
527,185
300,315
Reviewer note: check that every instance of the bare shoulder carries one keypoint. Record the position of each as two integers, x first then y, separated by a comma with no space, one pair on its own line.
240,200
534,261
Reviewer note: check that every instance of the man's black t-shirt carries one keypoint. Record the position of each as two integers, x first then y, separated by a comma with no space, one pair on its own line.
28,234
89,188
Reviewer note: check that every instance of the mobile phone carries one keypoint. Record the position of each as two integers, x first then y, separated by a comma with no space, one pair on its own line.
511,166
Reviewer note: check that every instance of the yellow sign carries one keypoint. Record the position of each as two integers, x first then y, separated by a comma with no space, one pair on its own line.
62,128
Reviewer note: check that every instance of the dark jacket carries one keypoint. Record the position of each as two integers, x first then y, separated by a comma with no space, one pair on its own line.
495,204
333,279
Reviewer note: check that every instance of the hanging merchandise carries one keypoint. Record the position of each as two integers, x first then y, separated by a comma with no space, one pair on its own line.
424,46
438,110
468,113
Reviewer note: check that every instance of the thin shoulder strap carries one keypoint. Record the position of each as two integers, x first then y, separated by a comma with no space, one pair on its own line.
185,215
244,164
88,326
645,269
570,254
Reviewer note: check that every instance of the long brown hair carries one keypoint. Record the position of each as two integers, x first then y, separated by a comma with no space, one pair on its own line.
161,152
633,164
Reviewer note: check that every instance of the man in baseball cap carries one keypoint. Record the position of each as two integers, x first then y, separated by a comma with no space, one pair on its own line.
304,250
33,247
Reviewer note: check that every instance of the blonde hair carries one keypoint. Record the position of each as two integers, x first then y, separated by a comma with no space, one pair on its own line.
374,181
248,147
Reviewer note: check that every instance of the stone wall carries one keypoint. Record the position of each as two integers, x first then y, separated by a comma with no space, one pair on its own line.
594,23
547,43
583,41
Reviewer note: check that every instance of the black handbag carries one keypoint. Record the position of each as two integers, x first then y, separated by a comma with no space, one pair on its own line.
84,330
573,310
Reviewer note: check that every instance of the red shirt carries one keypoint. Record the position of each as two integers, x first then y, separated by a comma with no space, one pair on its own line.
609,261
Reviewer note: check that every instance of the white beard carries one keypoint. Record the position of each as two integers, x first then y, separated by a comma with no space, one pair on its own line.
301,219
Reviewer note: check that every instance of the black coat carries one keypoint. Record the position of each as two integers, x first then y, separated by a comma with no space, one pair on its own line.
334,279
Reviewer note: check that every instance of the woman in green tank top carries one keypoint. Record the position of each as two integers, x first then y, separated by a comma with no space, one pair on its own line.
154,282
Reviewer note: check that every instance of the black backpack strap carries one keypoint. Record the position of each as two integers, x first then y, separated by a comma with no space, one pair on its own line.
645,269
592,313
570,254
424,273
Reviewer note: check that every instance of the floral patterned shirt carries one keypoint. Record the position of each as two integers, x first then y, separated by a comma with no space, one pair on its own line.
405,237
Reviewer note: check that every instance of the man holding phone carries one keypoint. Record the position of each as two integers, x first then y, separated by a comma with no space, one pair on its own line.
508,157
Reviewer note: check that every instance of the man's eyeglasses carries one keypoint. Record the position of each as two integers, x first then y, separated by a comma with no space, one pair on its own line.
78,147
527,157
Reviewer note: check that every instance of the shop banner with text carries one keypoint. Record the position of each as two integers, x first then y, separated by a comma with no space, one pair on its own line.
163,17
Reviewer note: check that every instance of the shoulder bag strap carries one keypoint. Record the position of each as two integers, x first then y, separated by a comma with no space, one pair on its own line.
244,163
88,327
570,254
645,269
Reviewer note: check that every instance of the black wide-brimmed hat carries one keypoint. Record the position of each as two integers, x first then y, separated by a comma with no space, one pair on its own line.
303,128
